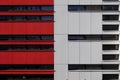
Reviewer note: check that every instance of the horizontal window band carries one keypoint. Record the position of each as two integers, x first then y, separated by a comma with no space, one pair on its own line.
110,47
27,8
110,17
26,47
26,18
93,37
110,56
93,7
27,67
93,66
26,37
27,77
110,76
111,0
110,27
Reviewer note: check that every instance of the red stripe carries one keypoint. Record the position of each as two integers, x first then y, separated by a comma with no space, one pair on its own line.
26,2
28,57
27,72
26,28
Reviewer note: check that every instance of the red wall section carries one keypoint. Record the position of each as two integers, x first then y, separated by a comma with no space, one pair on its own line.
26,28
26,57
27,72
26,2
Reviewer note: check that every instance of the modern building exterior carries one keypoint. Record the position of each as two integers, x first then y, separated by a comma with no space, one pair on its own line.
59,40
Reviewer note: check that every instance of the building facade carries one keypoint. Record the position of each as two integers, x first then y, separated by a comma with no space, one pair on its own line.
59,40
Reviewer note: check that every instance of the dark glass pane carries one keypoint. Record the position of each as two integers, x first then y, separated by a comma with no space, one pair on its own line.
111,57
110,27
75,7
26,47
26,37
94,37
26,18
47,18
110,67
110,7
27,77
76,67
111,0
76,37
110,17
110,37
47,8
27,67
93,67
93,7
110,76
110,46
26,8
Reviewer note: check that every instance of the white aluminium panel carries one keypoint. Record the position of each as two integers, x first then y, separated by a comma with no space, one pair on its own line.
96,75
73,22
61,26
61,72
73,52
61,49
73,76
96,2
60,2
85,23
96,23
85,53
85,2
73,2
85,76
96,52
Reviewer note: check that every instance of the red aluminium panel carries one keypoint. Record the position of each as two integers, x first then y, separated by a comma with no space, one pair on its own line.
26,28
27,42
27,72
26,57
26,2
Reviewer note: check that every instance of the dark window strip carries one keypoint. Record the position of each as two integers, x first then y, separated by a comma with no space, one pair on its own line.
26,37
93,37
27,67
27,8
93,7
26,77
26,18
110,27
93,67
111,0
26,47
110,47
110,17
110,76
110,57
